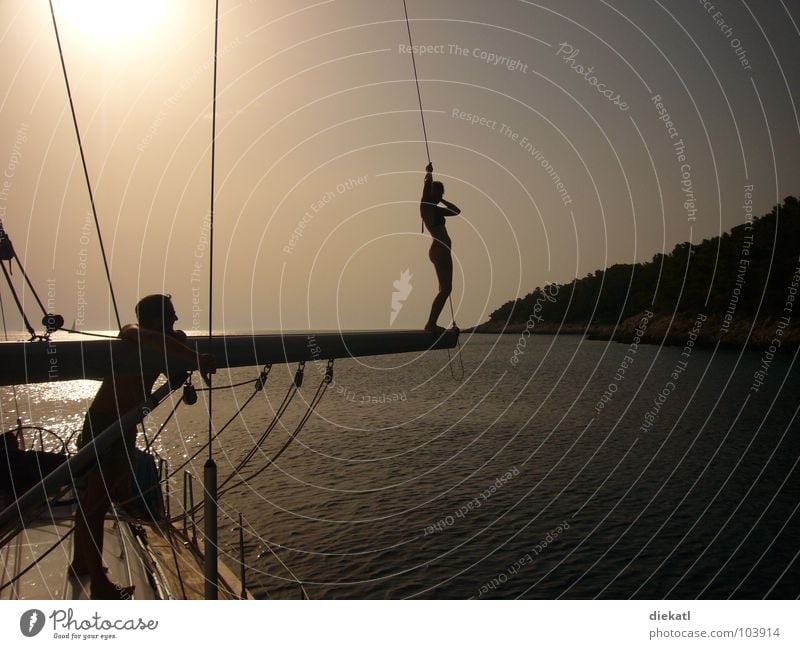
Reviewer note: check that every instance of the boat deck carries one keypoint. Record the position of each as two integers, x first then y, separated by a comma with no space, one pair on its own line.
159,562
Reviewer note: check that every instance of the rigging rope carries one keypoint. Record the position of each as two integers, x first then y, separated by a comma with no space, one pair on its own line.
211,228
416,80
287,399
457,353
321,389
85,169
259,386
428,151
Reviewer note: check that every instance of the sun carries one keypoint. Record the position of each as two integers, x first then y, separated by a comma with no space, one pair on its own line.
113,21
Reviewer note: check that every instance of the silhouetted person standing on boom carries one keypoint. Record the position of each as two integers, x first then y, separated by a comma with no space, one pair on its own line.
440,255
157,341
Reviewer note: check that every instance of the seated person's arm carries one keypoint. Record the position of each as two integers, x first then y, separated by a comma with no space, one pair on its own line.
173,346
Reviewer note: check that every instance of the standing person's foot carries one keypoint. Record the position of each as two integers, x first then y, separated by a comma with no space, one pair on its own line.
434,329
79,570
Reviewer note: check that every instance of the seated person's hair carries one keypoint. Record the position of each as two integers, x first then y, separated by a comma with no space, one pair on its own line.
150,309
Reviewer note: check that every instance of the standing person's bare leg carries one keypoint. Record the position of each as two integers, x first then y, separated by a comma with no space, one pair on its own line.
89,531
443,264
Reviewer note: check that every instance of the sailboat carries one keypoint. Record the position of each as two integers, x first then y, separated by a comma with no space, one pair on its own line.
160,551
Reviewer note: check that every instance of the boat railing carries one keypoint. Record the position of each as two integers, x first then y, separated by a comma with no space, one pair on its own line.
189,510
38,435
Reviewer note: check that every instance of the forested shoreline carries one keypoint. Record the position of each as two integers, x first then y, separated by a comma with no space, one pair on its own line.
744,284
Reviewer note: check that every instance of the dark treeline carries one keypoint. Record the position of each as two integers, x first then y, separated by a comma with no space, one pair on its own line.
757,258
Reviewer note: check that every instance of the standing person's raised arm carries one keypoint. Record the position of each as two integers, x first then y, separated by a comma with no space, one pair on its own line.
427,187
452,208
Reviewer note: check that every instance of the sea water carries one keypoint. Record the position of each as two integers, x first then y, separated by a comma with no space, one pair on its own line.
583,469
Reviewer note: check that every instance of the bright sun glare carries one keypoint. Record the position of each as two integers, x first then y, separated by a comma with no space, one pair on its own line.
113,21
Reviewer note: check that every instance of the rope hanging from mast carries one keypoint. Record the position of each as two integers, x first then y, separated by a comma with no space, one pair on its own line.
416,80
428,151
85,169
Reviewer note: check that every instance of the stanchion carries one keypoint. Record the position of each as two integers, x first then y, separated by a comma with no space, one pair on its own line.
210,528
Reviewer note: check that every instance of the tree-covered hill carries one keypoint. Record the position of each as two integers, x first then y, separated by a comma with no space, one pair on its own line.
744,272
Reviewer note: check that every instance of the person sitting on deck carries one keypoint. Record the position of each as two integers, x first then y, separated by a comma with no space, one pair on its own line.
156,341
20,470
440,252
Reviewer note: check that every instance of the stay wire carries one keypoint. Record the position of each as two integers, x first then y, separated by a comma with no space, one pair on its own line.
85,168
30,284
416,80
211,228
28,327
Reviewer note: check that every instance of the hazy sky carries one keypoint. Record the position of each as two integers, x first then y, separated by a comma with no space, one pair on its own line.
544,123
